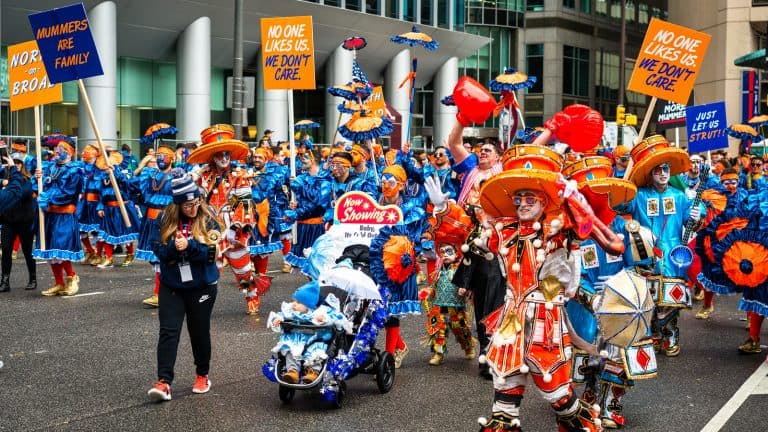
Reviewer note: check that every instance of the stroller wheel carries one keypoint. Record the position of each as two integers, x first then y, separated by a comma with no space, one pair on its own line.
341,394
286,394
385,372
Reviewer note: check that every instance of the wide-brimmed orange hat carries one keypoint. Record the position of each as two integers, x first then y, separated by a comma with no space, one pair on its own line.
115,158
594,173
527,167
218,138
652,152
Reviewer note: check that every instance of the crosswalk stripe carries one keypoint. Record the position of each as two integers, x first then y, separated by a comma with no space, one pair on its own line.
757,383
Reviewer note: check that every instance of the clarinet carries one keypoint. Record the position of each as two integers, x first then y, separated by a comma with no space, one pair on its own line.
690,223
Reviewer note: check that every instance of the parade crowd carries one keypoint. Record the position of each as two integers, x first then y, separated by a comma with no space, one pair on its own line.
516,249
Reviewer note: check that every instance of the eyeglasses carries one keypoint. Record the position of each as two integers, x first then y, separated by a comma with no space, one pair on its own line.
336,165
527,199
661,169
191,205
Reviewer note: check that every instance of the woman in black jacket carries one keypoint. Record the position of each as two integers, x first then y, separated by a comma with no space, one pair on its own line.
189,235
18,219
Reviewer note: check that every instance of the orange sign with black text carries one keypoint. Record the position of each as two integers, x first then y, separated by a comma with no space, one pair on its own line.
287,53
668,62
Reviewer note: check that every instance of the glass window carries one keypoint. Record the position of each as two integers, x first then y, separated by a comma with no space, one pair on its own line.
336,3
601,7
585,6
607,76
353,5
392,9
442,13
534,65
458,14
630,11
642,16
426,12
575,71
409,10
616,9
372,7
535,5
570,4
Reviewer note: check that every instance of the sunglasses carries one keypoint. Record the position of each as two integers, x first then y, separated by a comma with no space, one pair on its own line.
391,182
661,169
756,164
525,199
730,182
191,205
438,154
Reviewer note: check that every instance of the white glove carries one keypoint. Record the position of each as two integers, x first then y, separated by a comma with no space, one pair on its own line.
571,188
695,213
436,195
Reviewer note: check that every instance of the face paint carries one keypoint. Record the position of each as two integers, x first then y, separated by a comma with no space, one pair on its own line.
222,159
61,154
162,162
390,186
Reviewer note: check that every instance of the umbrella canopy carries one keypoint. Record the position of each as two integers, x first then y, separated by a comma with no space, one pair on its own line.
354,43
351,107
156,131
625,310
351,90
363,127
511,80
352,281
742,131
414,38
306,124
758,120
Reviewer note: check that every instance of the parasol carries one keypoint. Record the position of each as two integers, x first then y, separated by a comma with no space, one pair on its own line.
742,131
507,83
354,43
156,131
353,90
760,120
352,281
412,39
351,107
625,309
363,126
305,124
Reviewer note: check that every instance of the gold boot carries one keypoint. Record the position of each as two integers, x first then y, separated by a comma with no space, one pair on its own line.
151,301
106,263
437,359
73,286
128,260
88,257
95,260
52,291
705,312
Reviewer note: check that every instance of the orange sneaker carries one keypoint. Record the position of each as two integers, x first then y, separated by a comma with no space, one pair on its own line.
202,384
160,392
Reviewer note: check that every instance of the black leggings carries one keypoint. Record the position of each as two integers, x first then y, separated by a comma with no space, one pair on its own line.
196,305
24,231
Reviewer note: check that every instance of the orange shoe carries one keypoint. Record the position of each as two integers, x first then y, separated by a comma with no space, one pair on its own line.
202,384
160,392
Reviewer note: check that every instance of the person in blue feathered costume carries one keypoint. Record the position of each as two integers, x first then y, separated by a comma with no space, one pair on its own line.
343,181
281,165
87,207
306,208
62,183
403,298
114,230
266,185
154,184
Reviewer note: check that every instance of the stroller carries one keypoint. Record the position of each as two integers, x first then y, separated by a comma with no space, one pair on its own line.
347,354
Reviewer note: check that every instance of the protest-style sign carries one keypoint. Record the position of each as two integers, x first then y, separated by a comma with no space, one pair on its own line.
66,43
670,115
376,102
288,55
28,81
706,127
668,62
360,218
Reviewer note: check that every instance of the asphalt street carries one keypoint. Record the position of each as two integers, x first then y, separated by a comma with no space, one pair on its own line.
85,363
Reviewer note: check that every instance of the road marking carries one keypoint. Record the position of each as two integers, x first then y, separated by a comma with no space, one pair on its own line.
757,383
85,294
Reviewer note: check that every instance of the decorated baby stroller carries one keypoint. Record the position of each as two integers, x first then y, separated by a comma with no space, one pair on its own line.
348,353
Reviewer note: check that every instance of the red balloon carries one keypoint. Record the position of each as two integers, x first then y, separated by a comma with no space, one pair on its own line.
474,102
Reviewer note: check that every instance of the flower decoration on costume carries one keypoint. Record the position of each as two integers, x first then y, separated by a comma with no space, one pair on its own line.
393,258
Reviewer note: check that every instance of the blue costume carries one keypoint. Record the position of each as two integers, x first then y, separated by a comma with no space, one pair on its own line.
267,185
113,229
61,190
156,193
308,215
87,210
333,190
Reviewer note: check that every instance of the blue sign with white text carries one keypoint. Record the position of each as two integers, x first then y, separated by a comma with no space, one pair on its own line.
66,43
706,127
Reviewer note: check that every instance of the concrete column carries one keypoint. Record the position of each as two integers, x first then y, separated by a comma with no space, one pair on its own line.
338,70
444,116
397,69
271,110
193,80
102,89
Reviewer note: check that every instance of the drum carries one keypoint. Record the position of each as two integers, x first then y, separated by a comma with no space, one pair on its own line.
527,156
641,241
640,360
669,292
